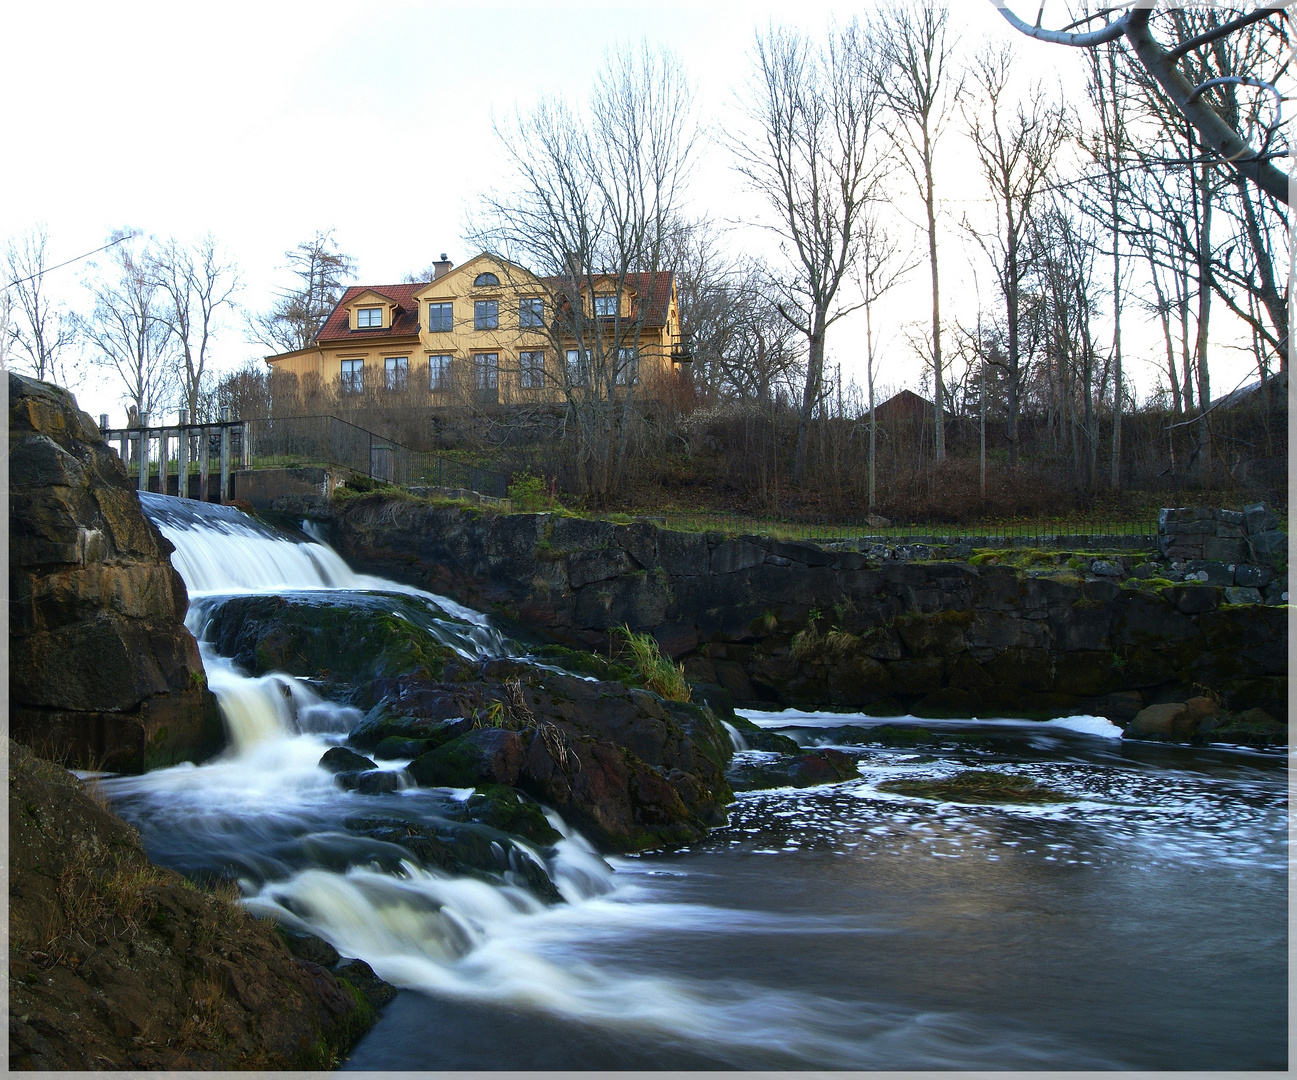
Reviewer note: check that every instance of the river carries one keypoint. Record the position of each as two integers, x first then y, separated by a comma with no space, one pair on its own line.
1140,924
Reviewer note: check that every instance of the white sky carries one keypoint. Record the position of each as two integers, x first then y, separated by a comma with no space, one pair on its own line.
263,122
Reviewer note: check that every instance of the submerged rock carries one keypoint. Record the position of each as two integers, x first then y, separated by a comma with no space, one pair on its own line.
977,786
339,759
826,766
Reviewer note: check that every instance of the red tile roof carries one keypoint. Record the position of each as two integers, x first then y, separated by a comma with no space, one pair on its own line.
657,287
336,327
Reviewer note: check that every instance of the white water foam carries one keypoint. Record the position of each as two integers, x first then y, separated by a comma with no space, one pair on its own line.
794,718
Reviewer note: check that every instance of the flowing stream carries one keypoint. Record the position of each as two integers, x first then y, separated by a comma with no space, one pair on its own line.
1140,924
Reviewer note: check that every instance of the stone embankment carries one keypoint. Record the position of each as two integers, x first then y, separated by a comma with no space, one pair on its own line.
793,624
115,963
103,673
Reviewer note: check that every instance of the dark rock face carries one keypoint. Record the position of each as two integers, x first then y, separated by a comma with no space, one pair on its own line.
117,964
103,673
777,624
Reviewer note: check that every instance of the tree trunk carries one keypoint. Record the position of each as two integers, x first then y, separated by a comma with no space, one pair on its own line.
938,382
1011,301
810,395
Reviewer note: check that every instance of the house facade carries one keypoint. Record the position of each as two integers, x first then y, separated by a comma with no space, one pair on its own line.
489,332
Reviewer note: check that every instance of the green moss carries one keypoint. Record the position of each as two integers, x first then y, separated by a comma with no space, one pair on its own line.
330,1049
977,786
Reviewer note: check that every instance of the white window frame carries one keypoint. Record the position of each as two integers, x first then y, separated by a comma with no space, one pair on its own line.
365,318
397,372
439,368
449,323
531,369
351,376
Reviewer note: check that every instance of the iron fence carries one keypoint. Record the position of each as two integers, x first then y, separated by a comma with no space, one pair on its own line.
289,441
1080,533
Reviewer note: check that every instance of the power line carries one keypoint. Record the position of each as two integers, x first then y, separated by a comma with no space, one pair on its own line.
40,273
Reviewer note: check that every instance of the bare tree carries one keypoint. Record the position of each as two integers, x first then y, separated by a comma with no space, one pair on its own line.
921,88
818,166
1193,100
127,332
41,329
596,197
295,318
1015,144
881,267
195,283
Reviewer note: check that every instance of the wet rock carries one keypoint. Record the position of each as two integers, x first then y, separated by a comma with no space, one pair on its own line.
388,720
1158,722
1105,568
360,975
103,672
510,811
1240,595
461,847
825,766
371,782
394,747
977,786
484,756
339,759
349,642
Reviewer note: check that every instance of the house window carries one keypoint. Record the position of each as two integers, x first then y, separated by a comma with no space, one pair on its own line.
531,312
441,318
397,367
627,373
486,314
486,370
605,307
531,369
486,279
367,318
353,376
439,372
578,366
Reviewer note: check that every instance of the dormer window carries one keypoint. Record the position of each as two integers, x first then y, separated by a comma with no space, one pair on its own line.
485,279
605,307
369,318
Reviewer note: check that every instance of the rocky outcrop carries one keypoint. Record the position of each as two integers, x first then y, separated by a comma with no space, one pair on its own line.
626,767
779,623
103,673
115,963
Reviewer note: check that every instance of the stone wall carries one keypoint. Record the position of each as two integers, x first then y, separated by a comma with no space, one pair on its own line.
1244,551
102,672
778,623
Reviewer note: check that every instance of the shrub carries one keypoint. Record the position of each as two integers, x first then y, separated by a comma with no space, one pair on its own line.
527,492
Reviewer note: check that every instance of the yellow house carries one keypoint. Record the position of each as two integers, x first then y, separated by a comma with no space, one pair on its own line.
492,333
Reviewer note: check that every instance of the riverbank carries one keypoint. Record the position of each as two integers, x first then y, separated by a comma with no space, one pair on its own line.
797,625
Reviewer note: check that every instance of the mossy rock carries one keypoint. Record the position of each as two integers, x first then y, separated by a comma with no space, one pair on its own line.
580,662
892,735
385,721
977,786
510,811
347,641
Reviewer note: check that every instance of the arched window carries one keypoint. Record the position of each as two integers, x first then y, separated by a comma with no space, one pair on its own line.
486,279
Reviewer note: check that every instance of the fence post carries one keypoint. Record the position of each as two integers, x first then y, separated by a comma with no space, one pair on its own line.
144,452
163,470
247,445
182,455
204,462
225,454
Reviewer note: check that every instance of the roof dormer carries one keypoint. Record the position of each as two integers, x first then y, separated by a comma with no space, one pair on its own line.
372,310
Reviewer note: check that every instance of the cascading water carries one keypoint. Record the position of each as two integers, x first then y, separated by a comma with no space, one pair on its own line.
834,927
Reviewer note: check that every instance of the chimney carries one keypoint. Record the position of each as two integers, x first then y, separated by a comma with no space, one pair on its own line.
441,267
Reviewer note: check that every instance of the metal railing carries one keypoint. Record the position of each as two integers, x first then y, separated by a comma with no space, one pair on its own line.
289,441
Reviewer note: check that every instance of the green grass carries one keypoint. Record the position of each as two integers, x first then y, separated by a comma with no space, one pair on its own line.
660,674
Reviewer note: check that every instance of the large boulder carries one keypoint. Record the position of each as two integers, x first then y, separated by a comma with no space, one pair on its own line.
115,963
103,673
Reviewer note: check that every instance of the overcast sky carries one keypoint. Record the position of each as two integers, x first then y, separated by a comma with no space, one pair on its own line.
265,122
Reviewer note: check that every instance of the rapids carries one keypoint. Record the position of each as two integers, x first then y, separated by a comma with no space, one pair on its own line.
1141,924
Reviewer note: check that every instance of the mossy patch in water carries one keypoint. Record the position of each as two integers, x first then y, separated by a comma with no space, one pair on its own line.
977,786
